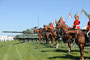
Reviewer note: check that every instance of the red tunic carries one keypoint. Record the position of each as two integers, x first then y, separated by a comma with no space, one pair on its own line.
89,22
76,24
51,25
63,21
88,27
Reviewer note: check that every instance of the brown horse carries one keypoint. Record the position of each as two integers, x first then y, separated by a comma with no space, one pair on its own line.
39,32
53,33
78,34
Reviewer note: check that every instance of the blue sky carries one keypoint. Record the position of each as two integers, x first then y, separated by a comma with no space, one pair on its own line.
18,15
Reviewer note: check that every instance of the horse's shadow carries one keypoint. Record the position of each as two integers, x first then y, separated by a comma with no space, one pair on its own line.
59,50
65,55
68,57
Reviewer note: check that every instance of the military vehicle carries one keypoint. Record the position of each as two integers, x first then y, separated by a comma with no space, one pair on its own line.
26,35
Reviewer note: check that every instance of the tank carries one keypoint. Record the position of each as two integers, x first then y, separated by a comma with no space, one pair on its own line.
26,35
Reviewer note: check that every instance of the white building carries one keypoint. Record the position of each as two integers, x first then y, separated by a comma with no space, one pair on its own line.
6,38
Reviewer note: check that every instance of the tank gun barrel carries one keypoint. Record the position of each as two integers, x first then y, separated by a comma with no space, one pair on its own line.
11,32
27,31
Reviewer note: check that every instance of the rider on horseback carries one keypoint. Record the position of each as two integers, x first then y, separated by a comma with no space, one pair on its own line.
51,24
61,19
76,22
88,33
88,26
75,26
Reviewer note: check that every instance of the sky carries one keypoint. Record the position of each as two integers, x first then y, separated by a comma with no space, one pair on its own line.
19,15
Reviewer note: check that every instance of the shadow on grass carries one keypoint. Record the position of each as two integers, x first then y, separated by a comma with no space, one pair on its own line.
68,57
59,50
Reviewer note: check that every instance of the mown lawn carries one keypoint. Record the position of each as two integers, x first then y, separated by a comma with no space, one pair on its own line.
14,50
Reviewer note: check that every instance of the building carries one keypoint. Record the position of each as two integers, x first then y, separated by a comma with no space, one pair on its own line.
6,38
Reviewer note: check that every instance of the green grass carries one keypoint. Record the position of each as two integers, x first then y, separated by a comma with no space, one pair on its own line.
14,50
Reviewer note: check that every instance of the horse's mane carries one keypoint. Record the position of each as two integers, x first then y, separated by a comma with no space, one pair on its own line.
65,27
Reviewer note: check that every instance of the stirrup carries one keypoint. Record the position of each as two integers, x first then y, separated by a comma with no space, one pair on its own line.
73,39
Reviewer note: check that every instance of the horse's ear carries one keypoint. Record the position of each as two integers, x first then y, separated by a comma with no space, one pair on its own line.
44,25
59,21
35,27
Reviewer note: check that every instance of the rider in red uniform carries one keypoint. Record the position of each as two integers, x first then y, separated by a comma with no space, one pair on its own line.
61,19
88,33
51,24
88,27
76,22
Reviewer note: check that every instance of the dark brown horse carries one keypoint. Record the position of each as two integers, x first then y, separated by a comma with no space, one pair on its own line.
78,34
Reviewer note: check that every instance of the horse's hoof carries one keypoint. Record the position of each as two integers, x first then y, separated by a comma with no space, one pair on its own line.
56,47
82,59
88,52
49,42
69,53
51,45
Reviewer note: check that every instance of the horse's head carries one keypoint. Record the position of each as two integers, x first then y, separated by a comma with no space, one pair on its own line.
48,28
45,27
41,30
36,30
59,24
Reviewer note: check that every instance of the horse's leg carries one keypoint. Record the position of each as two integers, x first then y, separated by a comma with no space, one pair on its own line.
57,42
46,41
42,40
52,39
39,38
47,38
69,48
81,47
65,44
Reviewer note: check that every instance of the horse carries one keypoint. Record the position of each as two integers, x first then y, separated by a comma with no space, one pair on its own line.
77,34
53,34
40,33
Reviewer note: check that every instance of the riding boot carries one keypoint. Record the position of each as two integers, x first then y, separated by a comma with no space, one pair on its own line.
73,39
58,33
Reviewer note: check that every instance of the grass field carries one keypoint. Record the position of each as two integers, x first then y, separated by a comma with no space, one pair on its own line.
14,50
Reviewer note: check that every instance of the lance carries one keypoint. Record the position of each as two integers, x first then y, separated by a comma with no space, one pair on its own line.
81,10
67,16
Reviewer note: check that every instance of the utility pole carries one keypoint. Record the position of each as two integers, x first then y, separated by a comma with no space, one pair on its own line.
38,20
